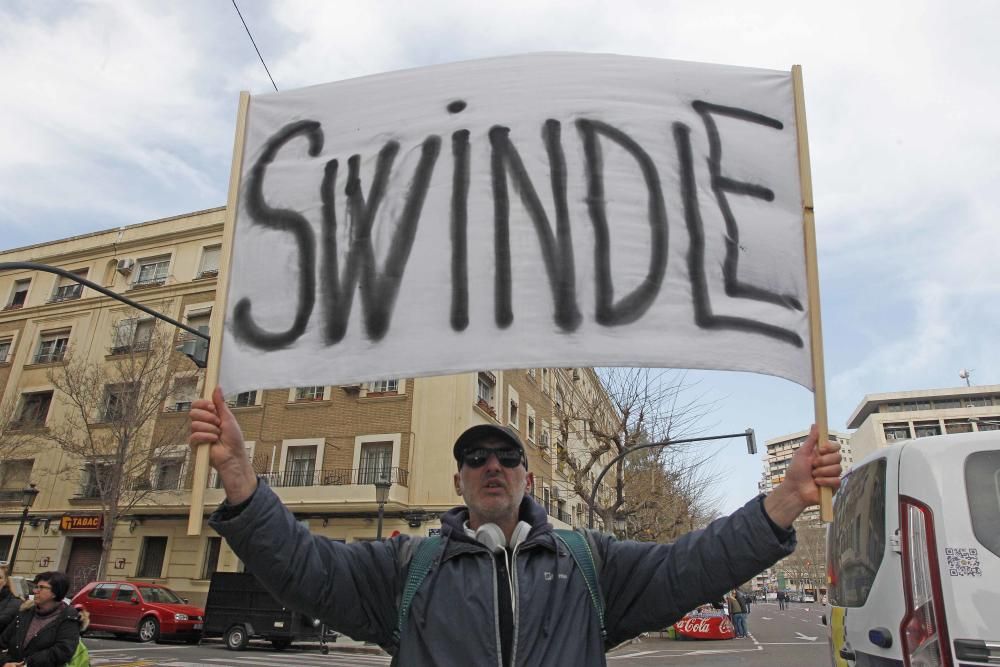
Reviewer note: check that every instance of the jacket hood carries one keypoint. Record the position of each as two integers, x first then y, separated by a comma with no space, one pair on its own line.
453,521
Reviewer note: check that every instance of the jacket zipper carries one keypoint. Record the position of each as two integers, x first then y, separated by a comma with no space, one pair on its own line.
496,610
513,602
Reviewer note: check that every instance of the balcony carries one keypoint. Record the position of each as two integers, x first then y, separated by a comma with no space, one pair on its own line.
148,284
326,477
179,406
134,346
67,293
49,357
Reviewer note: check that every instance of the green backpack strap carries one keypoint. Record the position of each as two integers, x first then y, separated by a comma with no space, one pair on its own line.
578,547
81,658
420,565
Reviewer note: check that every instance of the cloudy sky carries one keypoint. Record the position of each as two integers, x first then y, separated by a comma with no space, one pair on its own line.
115,113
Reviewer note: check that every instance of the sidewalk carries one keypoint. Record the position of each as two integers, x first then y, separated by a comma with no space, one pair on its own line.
345,644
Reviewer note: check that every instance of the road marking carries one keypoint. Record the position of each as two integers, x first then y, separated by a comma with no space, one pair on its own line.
792,644
632,655
131,648
766,618
802,636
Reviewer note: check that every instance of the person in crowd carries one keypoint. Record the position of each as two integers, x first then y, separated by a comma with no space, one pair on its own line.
498,552
782,600
9,600
46,631
736,614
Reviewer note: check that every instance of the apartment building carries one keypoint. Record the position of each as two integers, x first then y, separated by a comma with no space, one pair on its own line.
322,448
778,455
883,419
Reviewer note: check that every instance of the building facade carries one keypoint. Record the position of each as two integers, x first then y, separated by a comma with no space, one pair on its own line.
883,419
322,448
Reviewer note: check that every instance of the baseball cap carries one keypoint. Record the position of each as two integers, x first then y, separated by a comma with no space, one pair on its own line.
476,434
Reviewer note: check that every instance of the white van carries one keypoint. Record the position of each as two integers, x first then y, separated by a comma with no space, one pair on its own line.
914,556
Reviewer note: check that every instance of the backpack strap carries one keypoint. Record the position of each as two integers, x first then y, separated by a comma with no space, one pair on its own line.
420,565
577,546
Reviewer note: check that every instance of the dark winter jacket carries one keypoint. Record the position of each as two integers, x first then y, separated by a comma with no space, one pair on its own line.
53,646
456,615
9,606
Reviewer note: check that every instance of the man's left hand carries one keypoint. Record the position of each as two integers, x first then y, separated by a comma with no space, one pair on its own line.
813,466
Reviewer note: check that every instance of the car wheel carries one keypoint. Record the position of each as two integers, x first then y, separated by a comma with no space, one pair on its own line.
149,629
281,644
236,638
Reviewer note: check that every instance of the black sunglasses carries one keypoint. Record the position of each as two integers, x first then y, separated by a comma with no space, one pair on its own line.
508,457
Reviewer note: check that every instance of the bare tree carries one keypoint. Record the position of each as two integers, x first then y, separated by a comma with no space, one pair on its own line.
109,423
20,438
806,567
637,406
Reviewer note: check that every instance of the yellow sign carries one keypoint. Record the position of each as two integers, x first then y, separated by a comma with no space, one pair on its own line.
86,522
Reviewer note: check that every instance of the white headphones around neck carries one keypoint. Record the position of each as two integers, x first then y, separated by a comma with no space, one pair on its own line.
490,536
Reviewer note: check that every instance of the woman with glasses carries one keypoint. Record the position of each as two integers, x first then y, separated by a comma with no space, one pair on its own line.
46,631
9,600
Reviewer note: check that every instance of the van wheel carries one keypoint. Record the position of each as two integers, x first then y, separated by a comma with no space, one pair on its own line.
149,629
281,644
236,638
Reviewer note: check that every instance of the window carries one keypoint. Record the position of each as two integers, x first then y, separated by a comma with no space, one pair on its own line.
896,431
982,486
992,425
210,257
486,390
211,563
947,404
309,393
52,347
958,426
512,407
5,345
245,400
375,462
34,408
384,387
152,272
857,535
545,380
19,295
531,424
5,543
168,473
96,478
68,289
151,559
543,436
132,335
102,591
300,466
184,391
119,402
924,429
560,398
16,475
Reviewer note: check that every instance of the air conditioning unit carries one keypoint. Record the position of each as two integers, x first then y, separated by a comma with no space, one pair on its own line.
125,266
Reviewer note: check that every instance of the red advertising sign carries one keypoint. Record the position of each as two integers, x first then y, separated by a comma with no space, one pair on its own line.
700,626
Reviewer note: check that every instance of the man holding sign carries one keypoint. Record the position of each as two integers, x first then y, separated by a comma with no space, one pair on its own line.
502,589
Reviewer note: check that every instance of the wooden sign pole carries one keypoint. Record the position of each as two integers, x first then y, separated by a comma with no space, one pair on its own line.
200,481
812,278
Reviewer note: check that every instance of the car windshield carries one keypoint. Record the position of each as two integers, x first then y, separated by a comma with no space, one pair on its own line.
162,595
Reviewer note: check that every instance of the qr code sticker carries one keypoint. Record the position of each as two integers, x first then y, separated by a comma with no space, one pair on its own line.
963,562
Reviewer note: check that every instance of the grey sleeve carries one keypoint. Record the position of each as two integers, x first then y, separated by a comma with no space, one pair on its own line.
353,588
650,586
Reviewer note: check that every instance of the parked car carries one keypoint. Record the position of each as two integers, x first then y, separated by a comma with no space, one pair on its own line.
914,555
149,611
239,609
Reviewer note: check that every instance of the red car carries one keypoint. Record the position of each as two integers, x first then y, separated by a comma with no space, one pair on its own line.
149,611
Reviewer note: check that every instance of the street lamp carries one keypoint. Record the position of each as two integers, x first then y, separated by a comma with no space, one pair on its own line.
620,524
751,449
27,500
382,486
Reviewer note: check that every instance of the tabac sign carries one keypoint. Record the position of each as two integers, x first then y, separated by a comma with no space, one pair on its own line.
84,522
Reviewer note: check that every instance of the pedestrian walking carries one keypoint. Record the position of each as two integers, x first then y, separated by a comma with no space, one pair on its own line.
782,597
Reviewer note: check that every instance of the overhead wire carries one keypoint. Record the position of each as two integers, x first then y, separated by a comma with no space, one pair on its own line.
245,27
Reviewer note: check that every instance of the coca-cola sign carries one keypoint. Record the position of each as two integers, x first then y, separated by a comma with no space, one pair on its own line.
705,627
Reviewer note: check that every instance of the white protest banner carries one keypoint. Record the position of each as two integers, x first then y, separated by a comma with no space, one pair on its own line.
537,210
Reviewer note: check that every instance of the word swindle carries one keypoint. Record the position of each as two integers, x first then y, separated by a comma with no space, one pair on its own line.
379,289
516,212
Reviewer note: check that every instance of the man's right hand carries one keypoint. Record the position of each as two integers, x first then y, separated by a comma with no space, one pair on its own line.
213,424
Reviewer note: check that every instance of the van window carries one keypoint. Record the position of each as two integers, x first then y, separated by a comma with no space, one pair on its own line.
982,485
857,535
